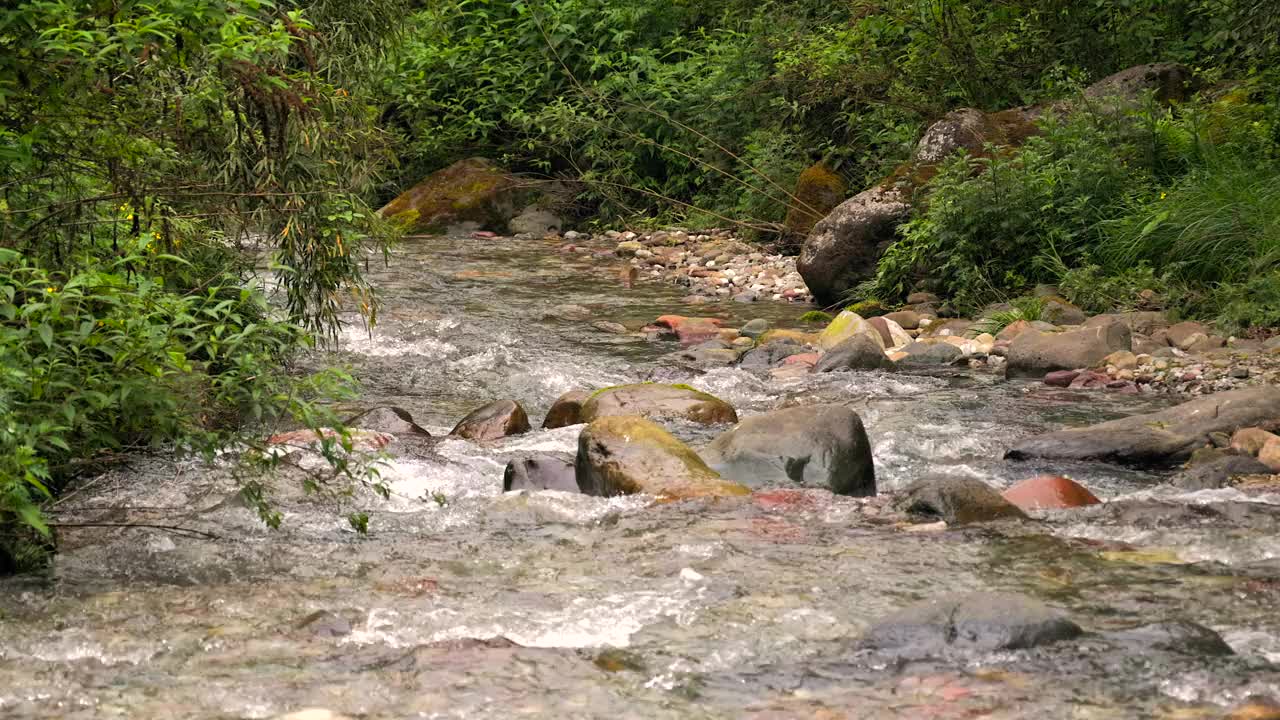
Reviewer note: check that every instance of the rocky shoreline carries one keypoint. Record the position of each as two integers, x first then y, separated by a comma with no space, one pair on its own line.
713,264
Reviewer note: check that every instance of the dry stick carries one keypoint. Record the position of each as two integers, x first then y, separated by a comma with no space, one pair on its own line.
168,528
600,98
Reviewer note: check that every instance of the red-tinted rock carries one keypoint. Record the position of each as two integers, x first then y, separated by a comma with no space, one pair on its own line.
882,327
1049,492
1061,378
806,359
690,330
1089,380
498,419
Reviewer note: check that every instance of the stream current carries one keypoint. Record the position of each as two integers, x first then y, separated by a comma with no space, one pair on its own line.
465,602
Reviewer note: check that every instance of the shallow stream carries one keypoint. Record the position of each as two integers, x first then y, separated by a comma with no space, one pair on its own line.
464,602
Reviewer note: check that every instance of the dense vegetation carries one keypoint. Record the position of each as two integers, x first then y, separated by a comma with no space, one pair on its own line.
153,155
146,150
707,112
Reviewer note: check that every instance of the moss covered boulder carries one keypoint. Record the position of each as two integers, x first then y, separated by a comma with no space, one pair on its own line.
818,191
846,325
469,191
628,455
659,402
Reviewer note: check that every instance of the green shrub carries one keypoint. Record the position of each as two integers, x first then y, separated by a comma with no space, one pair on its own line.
990,223
1030,309
108,360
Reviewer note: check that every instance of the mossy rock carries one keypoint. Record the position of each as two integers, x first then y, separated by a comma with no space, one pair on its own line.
784,335
662,402
628,455
816,316
818,191
846,325
472,190
869,308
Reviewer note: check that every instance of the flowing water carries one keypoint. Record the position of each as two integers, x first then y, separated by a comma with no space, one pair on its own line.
467,602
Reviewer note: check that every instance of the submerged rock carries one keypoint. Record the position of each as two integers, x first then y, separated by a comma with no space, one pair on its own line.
388,419
656,401
566,410
822,446
498,419
541,472
690,330
980,622
1161,438
957,500
1176,636
626,455
1218,472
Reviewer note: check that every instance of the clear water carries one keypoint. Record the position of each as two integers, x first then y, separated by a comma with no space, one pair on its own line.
555,605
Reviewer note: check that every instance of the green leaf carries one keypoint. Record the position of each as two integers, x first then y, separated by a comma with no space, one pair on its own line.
46,334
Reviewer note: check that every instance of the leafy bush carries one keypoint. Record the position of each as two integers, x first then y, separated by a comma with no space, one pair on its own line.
108,360
989,223
1029,309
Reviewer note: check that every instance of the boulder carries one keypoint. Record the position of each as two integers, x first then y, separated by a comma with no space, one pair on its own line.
844,247
1250,441
1171,82
661,402
1049,492
498,419
469,191
846,325
766,356
1013,330
957,500
893,334
387,419
1218,472
1120,360
818,191
922,354
823,446
755,328
976,622
542,472
906,319
1061,378
858,352
566,410
535,221
1142,323
788,336
1184,334
708,355
1176,636
1160,438
972,131
1269,455
1032,354
1061,312
626,455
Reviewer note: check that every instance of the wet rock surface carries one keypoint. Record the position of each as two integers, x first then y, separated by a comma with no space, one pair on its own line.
660,402
1160,438
981,622
626,455
956,501
825,446
498,419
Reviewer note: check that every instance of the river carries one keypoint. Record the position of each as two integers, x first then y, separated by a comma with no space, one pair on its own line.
464,602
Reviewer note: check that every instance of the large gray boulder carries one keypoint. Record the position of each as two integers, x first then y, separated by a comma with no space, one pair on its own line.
541,472
1162,438
661,402
626,455
823,446
845,246
859,352
978,622
1033,353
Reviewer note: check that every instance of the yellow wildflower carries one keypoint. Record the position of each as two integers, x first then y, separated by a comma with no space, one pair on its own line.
1164,195
48,289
